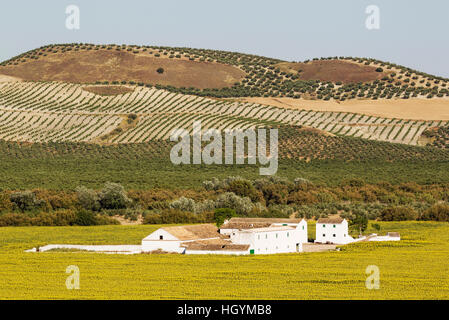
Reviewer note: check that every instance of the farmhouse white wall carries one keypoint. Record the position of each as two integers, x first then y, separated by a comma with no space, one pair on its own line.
333,233
265,241
302,234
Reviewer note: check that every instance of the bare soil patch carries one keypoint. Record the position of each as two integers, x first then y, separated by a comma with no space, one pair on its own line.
413,109
108,90
4,78
332,70
112,65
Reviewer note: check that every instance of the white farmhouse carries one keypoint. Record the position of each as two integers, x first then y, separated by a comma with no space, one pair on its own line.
269,240
332,230
235,224
237,236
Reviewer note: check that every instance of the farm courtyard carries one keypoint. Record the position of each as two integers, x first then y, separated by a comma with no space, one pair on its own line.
417,267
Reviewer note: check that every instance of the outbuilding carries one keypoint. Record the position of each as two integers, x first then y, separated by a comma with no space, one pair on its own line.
332,230
173,239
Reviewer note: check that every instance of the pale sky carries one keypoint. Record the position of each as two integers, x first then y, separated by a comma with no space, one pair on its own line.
413,33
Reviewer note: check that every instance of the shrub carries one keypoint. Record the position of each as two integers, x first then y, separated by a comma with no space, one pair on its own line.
113,196
88,199
85,218
302,183
183,204
275,193
14,219
242,206
65,217
5,202
398,214
222,214
176,216
359,221
205,206
160,70
438,212
244,188
25,200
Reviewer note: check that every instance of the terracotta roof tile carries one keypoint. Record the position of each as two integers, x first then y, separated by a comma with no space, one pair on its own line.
193,232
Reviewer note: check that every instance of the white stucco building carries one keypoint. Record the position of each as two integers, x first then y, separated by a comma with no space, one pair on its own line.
332,230
269,240
235,224
237,236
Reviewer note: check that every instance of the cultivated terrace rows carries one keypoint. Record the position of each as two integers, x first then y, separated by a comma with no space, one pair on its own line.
55,112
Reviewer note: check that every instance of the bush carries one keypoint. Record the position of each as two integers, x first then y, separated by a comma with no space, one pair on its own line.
176,216
65,217
5,202
242,206
14,219
438,212
113,196
275,193
160,70
88,199
25,200
183,204
398,214
302,183
244,188
85,218
222,214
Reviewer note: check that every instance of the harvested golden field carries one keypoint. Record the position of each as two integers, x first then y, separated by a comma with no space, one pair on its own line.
332,70
417,267
414,109
111,65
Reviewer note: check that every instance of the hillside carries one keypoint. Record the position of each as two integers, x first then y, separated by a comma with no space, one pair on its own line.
224,74
323,159
55,111
120,94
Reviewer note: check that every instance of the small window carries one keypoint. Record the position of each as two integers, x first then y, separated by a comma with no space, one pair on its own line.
258,237
288,234
302,227
334,225
324,226
284,224
324,234
344,235
266,236
276,235
161,237
334,235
